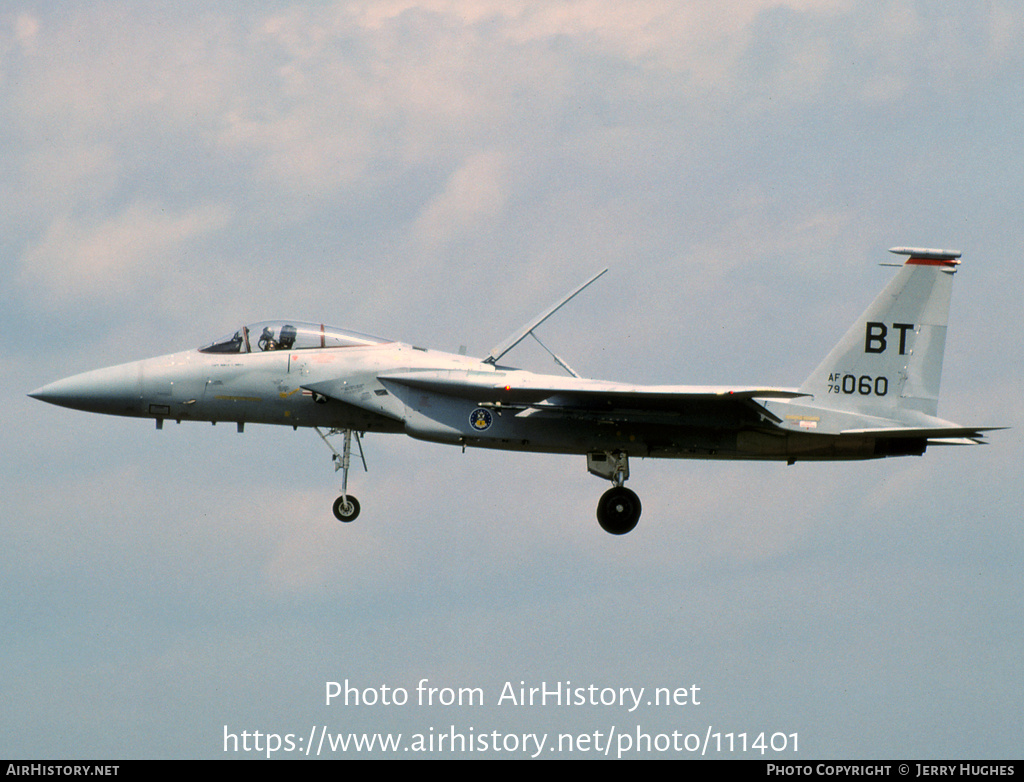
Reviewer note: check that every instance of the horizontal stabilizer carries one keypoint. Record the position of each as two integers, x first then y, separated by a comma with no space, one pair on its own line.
973,434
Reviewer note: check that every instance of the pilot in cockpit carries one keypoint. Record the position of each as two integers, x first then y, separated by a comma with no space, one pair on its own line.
266,341
285,342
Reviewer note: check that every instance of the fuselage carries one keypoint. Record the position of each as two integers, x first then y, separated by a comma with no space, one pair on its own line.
347,386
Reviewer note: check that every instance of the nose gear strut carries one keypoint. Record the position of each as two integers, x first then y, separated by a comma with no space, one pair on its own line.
346,507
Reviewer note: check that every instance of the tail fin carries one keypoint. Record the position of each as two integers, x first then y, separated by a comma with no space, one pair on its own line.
890,361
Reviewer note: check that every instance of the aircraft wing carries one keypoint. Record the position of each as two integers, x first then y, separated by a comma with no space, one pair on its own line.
543,392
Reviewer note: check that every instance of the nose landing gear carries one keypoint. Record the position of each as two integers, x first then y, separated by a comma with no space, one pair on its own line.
346,507
618,510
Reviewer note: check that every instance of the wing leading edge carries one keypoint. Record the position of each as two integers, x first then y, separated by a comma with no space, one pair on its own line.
538,390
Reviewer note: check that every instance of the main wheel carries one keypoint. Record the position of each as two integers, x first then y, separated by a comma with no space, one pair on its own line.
346,508
618,510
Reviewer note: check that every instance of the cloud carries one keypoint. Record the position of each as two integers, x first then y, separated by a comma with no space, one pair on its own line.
78,259
26,30
476,193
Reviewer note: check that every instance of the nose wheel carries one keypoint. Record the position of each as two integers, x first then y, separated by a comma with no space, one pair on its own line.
346,508
618,510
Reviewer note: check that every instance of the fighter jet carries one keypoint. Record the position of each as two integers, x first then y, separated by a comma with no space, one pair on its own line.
874,395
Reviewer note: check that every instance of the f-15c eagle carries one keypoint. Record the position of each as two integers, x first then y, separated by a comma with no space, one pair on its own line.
874,395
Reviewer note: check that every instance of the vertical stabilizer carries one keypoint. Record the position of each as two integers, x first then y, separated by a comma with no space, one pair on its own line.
890,361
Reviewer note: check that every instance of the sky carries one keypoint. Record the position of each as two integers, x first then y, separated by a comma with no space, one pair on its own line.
437,172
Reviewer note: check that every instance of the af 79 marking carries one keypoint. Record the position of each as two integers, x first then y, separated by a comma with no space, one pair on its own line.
874,395
865,385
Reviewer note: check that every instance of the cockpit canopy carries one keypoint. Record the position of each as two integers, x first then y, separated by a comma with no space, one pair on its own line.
288,335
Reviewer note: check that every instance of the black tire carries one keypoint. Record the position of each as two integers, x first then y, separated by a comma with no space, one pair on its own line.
346,508
618,510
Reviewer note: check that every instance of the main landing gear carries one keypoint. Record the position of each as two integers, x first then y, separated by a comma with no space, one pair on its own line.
618,510
346,507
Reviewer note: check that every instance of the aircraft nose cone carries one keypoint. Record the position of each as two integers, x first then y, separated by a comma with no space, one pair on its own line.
67,392
43,393
110,390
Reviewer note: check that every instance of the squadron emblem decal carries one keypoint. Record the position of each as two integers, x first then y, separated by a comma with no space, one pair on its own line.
480,419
